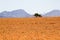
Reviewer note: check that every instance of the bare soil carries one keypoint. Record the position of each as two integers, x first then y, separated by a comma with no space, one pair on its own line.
30,28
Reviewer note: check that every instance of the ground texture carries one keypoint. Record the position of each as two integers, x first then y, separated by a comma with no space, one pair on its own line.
30,28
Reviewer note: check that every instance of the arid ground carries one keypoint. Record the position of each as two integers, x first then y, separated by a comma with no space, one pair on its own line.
30,28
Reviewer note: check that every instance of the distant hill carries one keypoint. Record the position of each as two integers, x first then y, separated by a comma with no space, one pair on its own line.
16,13
53,13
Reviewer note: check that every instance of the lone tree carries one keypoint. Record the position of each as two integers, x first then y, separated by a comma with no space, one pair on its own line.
37,15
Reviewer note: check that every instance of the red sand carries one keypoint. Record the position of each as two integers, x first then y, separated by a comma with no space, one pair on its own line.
30,28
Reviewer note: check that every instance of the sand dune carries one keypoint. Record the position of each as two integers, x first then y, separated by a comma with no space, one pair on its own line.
30,28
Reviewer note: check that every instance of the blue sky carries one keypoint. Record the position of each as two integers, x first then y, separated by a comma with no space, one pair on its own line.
30,6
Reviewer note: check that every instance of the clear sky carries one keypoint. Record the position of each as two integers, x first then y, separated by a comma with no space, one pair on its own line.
30,6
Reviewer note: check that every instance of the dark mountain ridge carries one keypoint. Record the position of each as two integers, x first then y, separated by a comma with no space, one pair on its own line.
16,13
53,13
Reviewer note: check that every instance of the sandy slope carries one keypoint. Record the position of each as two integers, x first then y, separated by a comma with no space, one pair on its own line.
30,28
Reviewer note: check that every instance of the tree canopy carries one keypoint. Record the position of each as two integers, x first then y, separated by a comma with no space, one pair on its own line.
37,15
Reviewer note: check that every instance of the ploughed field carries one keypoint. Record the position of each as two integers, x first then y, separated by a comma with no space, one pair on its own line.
30,28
